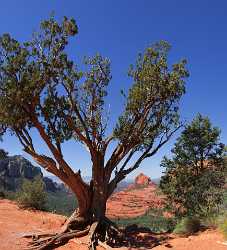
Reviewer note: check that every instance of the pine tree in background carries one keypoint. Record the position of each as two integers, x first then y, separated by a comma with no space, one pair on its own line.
195,176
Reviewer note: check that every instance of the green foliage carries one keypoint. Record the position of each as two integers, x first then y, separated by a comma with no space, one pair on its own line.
155,94
225,200
153,219
31,70
32,194
58,202
37,78
223,226
10,195
212,221
42,89
187,226
61,203
194,178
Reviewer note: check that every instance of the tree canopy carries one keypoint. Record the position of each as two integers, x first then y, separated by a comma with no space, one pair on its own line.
195,176
42,89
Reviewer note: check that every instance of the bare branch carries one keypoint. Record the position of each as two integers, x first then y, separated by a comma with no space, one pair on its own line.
122,172
75,108
52,148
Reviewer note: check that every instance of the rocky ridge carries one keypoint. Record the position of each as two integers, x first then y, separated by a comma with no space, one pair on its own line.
13,169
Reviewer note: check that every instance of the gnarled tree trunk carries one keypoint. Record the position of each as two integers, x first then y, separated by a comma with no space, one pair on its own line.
89,217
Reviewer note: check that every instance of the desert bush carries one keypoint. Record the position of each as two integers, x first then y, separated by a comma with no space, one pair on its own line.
61,203
211,221
222,224
223,228
153,220
32,194
2,195
187,225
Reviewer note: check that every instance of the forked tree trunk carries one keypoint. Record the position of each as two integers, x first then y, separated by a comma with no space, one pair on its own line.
91,199
89,218
97,208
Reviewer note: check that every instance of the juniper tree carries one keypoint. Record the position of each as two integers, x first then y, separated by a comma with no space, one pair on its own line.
41,89
195,176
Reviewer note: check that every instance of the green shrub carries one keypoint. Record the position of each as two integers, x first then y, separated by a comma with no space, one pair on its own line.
32,194
210,221
2,195
223,226
61,202
3,154
10,195
153,219
187,226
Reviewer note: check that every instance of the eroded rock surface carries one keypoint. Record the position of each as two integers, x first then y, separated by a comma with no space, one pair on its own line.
13,169
135,200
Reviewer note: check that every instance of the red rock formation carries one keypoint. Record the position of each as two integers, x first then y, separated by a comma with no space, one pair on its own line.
142,180
135,200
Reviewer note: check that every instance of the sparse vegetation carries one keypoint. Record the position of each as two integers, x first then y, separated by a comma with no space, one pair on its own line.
55,202
187,226
152,220
10,195
32,194
61,203
223,225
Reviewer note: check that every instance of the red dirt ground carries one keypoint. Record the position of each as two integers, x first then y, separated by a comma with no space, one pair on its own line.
15,222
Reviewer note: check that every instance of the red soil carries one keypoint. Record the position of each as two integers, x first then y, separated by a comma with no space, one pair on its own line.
15,222
208,240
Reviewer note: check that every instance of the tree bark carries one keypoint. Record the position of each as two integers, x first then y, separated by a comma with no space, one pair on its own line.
98,205
91,200
83,195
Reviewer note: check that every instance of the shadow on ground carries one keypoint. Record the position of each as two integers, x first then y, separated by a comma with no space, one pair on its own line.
142,237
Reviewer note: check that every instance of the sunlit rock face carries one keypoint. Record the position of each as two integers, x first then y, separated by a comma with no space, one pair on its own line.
142,180
134,200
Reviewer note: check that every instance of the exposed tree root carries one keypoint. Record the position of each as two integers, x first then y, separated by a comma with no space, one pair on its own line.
43,243
38,235
92,236
103,232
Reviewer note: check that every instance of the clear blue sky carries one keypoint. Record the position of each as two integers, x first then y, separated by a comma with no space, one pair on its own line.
119,30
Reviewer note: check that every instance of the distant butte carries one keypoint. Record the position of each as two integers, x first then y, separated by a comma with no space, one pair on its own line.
135,200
